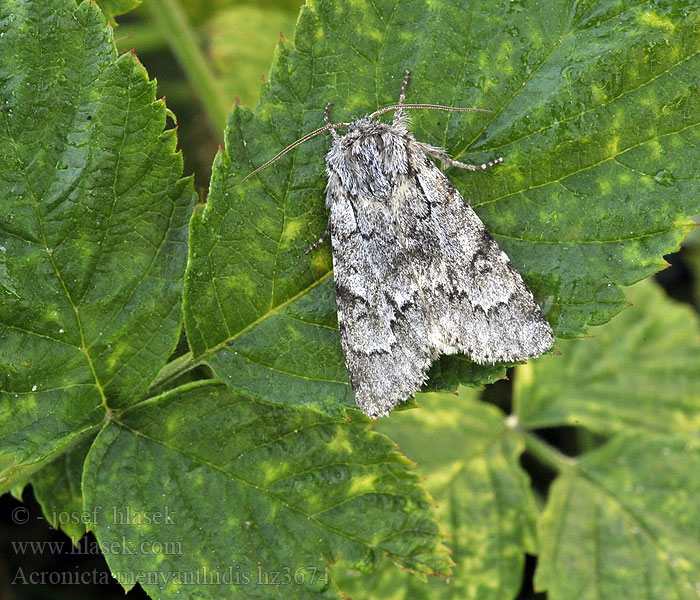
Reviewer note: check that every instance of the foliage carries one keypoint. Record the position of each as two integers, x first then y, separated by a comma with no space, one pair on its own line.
263,466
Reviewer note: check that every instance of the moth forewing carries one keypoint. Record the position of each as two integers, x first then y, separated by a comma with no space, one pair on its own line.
416,272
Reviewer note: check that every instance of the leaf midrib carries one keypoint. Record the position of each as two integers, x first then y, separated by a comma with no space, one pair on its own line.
188,361
273,311
37,207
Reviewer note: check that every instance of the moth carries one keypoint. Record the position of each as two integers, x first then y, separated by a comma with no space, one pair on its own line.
416,272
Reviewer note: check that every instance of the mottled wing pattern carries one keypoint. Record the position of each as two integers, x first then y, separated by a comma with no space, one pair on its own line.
416,272
380,312
477,302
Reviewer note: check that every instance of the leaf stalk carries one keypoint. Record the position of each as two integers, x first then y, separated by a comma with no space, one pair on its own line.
546,453
182,39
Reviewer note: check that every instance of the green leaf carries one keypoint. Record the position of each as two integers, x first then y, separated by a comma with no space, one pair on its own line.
621,522
594,110
469,459
114,8
57,488
241,41
624,523
253,489
639,372
93,230
448,372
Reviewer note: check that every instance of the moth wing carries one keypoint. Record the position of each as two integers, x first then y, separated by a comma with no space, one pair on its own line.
383,330
479,304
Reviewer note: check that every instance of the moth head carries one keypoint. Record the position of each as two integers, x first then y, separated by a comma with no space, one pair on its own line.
369,158
368,133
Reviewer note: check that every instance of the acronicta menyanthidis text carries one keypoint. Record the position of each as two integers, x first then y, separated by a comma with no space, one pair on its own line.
416,272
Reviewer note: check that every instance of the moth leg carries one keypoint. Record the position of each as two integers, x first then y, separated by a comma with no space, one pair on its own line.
444,158
327,118
320,240
400,113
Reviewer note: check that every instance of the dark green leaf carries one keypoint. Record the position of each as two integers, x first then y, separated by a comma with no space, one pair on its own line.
253,489
594,110
92,232
469,459
57,487
640,371
624,524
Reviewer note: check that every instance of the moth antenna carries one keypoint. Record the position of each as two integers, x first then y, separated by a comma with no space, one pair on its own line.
376,113
381,111
293,145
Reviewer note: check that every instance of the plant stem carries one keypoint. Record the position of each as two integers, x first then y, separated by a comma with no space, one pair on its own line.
173,369
174,27
547,454
141,35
